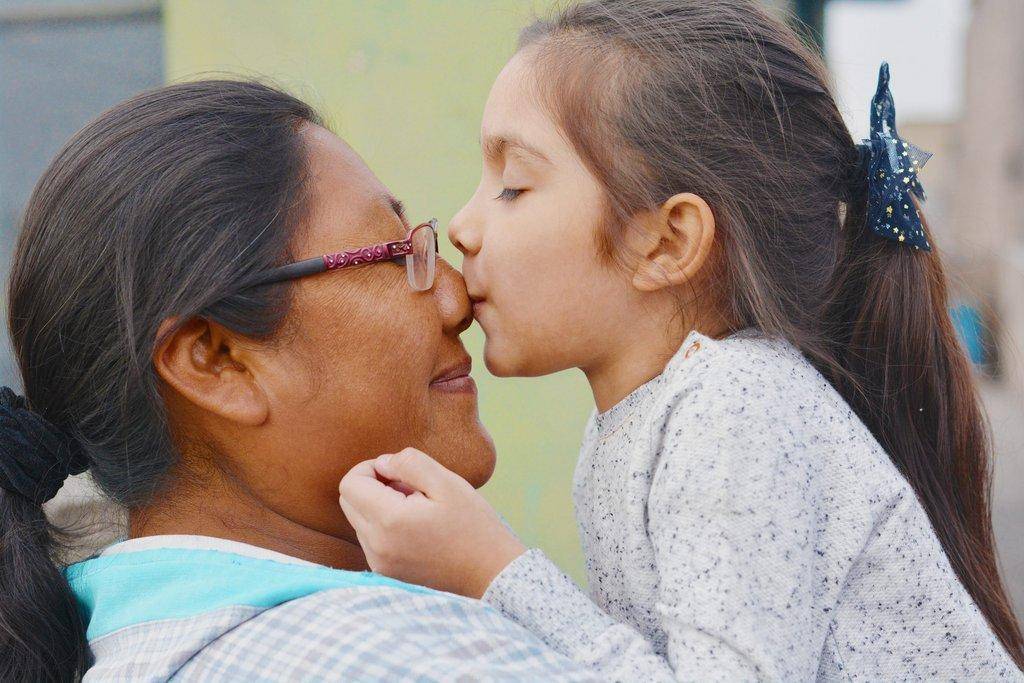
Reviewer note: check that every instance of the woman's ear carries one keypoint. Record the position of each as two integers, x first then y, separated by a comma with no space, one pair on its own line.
204,363
675,243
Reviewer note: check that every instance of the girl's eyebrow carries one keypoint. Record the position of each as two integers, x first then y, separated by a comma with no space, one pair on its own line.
496,146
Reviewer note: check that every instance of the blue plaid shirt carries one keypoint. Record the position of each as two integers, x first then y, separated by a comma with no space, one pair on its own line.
188,614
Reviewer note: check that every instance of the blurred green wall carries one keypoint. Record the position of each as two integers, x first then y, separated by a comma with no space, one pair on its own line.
404,82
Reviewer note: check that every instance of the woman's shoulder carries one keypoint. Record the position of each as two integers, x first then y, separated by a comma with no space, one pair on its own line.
369,633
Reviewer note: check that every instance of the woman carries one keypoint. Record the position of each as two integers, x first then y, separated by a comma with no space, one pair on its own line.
177,339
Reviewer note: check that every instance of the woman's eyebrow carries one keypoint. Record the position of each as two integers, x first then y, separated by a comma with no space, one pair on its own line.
398,207
496,146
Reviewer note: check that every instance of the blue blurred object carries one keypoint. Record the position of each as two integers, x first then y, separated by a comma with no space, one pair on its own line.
971,330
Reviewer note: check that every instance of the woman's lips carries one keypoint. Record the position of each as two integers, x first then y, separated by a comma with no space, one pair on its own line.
456,380
458,385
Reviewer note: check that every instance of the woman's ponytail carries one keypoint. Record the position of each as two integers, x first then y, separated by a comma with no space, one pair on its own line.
42,636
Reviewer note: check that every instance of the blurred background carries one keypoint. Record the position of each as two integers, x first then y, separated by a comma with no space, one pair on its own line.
404,82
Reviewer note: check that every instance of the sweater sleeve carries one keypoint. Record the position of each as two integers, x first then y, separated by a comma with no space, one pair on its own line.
535,593
732,516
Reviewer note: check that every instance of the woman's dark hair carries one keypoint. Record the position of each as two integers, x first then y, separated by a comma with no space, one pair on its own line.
162,208
719,98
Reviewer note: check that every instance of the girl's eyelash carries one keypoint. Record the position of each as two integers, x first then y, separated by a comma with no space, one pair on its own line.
509,194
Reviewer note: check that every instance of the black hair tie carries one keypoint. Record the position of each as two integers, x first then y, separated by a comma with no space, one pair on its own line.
35,455
863,160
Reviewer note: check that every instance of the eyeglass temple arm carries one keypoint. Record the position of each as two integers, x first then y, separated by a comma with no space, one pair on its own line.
358,257
292,271
389,251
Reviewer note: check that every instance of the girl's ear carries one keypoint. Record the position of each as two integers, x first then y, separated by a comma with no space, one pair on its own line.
206,365
674,243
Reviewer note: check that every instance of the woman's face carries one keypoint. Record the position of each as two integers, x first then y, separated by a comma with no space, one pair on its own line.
545,295
364,365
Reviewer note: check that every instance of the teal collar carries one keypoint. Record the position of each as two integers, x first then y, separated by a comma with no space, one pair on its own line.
126,589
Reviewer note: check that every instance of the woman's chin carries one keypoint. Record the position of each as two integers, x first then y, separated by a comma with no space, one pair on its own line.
484,460
473,458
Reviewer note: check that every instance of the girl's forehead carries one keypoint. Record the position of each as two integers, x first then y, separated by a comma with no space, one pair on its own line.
513,95
515,120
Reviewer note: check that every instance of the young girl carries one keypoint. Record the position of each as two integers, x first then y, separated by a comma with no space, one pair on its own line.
787,474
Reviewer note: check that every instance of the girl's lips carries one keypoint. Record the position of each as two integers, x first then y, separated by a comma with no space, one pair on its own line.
478,304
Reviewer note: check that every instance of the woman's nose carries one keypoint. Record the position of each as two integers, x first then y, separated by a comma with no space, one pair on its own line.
452,299
463,236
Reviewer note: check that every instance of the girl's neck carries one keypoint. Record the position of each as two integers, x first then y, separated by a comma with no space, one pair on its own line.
640,357
241,516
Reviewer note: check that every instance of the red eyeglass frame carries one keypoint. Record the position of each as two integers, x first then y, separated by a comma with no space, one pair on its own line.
376,253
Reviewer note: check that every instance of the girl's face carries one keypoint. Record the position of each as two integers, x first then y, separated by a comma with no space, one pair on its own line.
544,294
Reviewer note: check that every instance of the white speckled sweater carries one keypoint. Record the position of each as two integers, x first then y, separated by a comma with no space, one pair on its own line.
741,523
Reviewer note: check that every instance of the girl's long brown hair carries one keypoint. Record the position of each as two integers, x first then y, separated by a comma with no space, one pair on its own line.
718,98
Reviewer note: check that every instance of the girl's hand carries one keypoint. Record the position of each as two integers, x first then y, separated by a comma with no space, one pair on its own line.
421,523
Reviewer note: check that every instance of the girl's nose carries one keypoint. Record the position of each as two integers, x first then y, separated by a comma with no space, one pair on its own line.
463,236
452,299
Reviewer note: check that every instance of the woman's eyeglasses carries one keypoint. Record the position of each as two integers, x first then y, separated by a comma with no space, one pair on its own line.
418,250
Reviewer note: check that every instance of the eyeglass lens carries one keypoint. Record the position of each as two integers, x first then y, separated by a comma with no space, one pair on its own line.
420,265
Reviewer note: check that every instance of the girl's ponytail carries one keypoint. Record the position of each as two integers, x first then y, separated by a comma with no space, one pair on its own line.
908,379
897,361
42,636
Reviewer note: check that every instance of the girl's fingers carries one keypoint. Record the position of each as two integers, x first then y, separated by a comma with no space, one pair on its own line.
362,493
402,488
359,523
415,470
361,469
352,513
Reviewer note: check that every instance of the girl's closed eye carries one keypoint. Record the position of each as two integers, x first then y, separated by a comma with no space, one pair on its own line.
509,194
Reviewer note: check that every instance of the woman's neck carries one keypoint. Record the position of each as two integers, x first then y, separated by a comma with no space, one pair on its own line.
240,516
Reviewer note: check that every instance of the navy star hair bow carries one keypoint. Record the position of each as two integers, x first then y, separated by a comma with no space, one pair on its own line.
893,167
